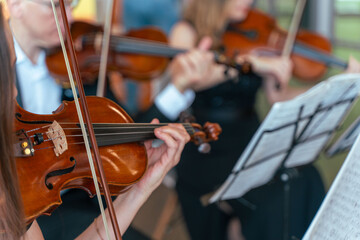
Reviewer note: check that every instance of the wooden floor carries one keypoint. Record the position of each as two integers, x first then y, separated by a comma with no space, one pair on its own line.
160,217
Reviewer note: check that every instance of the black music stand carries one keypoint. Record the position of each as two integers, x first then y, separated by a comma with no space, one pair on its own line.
293,134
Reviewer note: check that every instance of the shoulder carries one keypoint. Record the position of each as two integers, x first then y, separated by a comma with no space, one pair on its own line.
183,34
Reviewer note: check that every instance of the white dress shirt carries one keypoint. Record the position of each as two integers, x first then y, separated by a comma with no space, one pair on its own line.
39,92
171,102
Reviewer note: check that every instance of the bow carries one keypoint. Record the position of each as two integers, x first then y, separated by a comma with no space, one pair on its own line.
84,111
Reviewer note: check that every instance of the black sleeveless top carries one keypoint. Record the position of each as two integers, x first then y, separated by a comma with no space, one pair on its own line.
231,104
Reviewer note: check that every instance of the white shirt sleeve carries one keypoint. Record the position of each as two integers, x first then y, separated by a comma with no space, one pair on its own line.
171,102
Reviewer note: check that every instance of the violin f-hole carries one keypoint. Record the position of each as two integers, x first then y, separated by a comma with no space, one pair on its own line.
59,173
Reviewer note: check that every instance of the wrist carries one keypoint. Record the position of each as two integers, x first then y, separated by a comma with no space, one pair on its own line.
180,84
135,195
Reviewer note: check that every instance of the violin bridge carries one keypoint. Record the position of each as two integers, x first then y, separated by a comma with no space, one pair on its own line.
57,135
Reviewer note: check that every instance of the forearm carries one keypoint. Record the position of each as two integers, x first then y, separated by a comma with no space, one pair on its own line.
126,206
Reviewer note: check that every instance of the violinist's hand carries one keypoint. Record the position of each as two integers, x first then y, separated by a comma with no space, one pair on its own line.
195,69
161,159
279,68
353,66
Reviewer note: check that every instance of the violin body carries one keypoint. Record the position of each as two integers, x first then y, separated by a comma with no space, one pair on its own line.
51,156
260,32
88,42
43,173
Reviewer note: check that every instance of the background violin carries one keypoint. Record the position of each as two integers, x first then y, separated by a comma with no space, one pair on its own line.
88,40
260,33
140,54
50,153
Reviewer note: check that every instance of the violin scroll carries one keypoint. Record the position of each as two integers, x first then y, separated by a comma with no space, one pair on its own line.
205,134
201,135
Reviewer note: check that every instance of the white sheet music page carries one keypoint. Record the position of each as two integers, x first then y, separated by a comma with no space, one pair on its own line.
292,134
346,140
339,214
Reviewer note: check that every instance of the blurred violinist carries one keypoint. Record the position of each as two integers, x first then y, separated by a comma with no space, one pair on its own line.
12,222
232,104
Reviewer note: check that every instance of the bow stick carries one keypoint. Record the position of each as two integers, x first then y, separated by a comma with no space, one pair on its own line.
294,27
100,92
88,123
112,21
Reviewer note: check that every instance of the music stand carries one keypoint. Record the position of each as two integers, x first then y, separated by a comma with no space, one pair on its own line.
293,134
346,140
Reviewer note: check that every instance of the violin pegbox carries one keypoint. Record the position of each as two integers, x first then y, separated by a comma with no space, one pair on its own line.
212,131
205,134
57,135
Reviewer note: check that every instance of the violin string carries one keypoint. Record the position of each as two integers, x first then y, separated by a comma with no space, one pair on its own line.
114,137
125,124
141,48
35,129
134,42
128,126
114,134
79,143
145,132
129,129
125,129
107,134
131,41
137,45
187,126
45,148
50,139
109,141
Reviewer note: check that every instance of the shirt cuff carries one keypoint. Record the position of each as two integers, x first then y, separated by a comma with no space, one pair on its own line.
171,102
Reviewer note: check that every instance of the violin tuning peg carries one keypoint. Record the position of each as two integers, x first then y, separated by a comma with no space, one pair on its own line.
204,148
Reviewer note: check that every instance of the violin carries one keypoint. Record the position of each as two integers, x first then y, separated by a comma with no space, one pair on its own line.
259,32
54,144
141,54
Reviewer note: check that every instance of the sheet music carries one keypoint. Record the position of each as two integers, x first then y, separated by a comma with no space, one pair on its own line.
292,134
339,214
346,140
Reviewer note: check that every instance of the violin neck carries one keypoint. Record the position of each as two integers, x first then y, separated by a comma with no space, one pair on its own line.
146,47
318,55
152,48
110,134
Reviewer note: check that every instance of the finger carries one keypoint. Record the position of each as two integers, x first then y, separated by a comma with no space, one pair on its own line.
172,145
195,58
155,121
181,138
188,66
181,127
175,133
148,144
205,43
199,65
